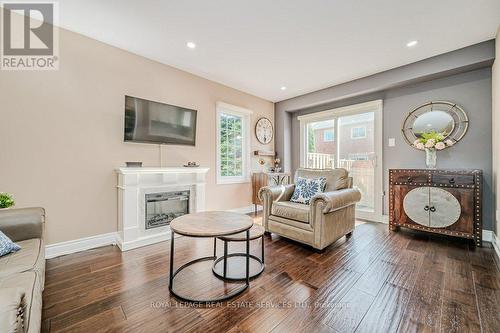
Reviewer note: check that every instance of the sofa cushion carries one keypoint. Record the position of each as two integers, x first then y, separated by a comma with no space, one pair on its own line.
30,257
11,308
32,304
291,210
306,188
336,179
7,245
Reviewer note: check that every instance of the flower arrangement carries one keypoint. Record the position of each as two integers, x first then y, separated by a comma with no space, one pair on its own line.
6,200
432,140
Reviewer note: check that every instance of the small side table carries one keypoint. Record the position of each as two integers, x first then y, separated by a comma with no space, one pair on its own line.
210,225
221,264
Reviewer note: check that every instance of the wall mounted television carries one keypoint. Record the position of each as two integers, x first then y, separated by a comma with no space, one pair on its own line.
153,122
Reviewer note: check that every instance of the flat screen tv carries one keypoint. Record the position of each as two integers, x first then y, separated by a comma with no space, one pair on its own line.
153,122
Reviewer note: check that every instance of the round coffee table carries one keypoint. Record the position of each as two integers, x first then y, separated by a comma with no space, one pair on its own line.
212,225
221,264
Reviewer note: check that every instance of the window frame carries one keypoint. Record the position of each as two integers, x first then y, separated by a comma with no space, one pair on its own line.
328,131
358,137
245,114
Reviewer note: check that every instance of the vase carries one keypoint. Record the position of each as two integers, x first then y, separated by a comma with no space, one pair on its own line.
430,158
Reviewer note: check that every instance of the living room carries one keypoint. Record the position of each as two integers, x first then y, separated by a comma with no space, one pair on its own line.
249,166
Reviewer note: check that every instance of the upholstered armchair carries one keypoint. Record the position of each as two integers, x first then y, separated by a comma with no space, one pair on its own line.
329,216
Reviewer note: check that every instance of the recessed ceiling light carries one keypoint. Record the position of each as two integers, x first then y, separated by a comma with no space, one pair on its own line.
191,45
283,88
412,43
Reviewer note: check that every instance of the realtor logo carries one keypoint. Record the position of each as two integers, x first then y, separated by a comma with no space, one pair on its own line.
29,39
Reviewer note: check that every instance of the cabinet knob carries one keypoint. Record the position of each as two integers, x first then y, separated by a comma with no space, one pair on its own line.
452,180
410,179
432,209
426,208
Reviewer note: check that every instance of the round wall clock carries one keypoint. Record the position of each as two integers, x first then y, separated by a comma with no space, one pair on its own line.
264,130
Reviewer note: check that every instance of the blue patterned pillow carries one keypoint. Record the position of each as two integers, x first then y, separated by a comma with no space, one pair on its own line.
6,245
306,188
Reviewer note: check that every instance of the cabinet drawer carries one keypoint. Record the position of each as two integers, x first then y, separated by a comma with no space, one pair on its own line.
412,178
453,179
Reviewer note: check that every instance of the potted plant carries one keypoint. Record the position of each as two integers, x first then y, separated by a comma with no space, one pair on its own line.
6,201
432,142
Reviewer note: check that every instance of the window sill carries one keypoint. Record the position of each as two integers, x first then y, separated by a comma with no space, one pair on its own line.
222,181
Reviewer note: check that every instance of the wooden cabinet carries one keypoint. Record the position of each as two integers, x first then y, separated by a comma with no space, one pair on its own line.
440,201
261,179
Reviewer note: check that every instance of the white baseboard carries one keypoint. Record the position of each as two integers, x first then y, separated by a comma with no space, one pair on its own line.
245,210
87,243
77,245
496,244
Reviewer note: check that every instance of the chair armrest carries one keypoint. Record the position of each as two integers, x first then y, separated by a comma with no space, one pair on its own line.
336,200
23,223
276,193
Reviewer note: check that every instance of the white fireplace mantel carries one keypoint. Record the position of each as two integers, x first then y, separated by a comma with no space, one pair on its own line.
135,183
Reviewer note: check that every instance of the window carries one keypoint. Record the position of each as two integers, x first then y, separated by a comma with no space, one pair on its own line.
358,132
233,139
328,136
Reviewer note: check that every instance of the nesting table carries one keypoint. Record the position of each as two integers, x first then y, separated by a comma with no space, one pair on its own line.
215,225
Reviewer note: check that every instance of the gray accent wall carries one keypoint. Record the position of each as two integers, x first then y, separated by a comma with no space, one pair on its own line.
462,76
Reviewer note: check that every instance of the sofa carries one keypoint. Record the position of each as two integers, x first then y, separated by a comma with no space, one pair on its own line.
22,273
329,216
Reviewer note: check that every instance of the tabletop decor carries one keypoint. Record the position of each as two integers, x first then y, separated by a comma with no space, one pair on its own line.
432,142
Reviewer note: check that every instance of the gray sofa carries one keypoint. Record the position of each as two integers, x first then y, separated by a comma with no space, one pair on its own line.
22,273
330,216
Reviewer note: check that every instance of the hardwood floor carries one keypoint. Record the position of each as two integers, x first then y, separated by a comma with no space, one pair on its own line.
376,281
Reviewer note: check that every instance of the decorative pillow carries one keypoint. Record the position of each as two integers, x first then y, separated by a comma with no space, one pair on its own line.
306,188
6,245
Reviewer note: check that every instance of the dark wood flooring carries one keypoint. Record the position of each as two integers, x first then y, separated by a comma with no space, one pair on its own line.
376,281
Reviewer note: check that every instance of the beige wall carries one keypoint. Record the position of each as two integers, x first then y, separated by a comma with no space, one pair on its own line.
495,73
61,133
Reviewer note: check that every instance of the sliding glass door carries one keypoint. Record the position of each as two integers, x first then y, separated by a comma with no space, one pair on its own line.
349,138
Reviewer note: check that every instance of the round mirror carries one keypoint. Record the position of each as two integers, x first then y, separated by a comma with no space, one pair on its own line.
445,118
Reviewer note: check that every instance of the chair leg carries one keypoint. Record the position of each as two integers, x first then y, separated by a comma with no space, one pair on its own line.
348,235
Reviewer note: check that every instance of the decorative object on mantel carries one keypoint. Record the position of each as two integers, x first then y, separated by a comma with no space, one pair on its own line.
261,179
432,142
446,202
264,130
191,165
133,164
6,200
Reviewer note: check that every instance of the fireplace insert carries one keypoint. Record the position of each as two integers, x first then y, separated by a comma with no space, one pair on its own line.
162,208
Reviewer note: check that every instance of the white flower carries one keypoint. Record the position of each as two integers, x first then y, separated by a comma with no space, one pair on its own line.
420,146
416,142
429,143
449,143
440,146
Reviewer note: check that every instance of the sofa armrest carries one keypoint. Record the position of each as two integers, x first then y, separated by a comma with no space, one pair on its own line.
276,193
336,200
11,309
23,223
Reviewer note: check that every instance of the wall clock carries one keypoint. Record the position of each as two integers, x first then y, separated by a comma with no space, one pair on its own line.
264,130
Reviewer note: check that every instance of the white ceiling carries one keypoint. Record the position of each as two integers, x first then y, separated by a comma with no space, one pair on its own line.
258,46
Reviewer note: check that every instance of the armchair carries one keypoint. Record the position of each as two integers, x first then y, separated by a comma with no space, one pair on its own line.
329,216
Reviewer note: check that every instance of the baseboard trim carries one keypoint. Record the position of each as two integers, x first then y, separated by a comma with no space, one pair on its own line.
496,244
81,244
87,243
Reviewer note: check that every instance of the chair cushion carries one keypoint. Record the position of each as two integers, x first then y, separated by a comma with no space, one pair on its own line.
7,245
28,258
336,179
291,210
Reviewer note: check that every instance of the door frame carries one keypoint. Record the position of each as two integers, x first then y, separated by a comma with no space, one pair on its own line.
377,107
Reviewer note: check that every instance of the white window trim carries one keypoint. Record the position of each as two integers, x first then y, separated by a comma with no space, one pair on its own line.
226,108
358,137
